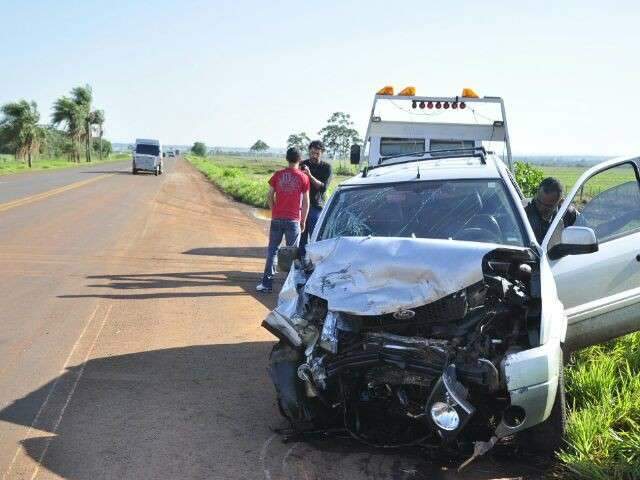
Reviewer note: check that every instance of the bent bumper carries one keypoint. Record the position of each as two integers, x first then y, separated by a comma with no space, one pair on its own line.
532,382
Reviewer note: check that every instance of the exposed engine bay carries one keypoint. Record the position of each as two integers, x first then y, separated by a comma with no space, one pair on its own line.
412,374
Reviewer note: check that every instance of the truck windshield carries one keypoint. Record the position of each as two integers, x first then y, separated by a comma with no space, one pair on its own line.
471,210
146,149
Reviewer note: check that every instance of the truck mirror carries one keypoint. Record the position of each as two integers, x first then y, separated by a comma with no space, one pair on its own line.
355,154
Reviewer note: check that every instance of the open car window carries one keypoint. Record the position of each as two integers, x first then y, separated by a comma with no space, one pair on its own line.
472,210
608,202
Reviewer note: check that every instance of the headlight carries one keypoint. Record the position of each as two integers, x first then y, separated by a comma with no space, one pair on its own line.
445,416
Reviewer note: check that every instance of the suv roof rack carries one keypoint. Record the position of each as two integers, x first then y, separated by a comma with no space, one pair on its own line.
474,152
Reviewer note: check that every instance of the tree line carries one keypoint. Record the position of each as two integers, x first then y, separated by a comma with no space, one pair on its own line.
338,136
76,128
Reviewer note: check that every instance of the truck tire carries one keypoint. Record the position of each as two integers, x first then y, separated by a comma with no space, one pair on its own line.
134,171
156,171
547,437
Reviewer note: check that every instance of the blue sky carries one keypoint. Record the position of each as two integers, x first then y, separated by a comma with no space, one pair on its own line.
228,73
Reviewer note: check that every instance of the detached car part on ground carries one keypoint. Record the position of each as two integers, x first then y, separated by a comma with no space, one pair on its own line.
438,323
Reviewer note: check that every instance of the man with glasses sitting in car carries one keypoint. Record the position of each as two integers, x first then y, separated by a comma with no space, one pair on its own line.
543,208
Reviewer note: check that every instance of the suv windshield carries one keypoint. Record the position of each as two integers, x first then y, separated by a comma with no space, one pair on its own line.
472,210
146,149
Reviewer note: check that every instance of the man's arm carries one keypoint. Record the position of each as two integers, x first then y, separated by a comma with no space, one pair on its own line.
271,198
319,185
570,216
327,180
305,210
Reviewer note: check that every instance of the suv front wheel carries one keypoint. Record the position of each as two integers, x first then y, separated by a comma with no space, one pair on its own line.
548,437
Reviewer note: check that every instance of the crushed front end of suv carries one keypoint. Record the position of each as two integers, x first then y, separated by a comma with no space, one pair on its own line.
418,318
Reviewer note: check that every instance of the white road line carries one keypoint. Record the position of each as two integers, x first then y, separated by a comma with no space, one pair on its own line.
70,395
263,455
285,460
51,390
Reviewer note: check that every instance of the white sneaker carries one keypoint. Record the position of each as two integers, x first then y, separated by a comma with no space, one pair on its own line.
264,289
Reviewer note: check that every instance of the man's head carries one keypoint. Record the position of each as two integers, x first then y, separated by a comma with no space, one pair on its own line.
315,151
548,197
293,156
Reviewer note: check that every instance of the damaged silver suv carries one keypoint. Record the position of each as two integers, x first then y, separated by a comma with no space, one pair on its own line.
426,312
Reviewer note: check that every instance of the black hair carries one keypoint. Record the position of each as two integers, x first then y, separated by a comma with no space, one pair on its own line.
293,155
317,144
551,185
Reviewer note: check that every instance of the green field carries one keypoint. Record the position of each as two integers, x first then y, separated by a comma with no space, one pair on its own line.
9,165
568,176
244,178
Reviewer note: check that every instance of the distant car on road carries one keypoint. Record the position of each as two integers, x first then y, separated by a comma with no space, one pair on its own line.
170,154
147,156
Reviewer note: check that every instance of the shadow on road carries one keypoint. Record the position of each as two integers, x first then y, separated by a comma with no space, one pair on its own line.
174,413
180,284
243,252
199,412
118,172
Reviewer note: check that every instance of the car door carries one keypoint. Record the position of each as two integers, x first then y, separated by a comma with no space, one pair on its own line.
601,290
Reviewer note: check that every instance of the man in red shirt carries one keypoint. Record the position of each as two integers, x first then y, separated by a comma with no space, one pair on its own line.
289,202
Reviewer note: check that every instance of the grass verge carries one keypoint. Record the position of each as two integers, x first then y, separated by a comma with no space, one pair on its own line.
9,165
603,388
246,180
603,382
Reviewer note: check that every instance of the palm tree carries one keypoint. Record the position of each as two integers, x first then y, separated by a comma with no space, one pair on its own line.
20,125
97,120
83,97
76,115
67,113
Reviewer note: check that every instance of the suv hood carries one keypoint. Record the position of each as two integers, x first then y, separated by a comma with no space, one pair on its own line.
378,275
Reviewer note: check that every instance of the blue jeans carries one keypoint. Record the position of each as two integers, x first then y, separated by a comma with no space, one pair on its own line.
312,219
290,229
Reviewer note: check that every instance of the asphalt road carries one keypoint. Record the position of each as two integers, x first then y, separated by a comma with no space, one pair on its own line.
130,339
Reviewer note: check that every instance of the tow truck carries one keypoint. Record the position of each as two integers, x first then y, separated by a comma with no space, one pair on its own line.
439,125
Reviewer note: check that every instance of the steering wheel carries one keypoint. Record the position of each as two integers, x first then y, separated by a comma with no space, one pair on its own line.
477,234
485,221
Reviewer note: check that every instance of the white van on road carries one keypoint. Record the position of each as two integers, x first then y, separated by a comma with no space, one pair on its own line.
147,156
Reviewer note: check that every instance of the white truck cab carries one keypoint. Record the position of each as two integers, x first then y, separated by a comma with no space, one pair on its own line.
408,123
147,156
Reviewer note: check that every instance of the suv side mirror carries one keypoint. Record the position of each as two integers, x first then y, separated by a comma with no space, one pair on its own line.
355,154
575,241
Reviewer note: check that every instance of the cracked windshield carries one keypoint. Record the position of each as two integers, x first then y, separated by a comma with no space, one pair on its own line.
472,210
